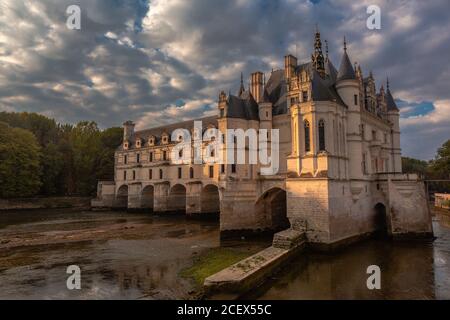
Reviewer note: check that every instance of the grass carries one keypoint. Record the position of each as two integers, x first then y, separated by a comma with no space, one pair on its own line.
211,262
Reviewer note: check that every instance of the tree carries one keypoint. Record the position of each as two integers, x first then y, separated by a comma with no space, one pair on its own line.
19,162
411,165
52,164
440,166
110,140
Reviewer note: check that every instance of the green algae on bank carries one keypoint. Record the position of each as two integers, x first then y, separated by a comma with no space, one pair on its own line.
213,261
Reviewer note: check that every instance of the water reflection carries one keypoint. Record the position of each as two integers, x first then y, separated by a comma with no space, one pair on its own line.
121,255
133,256
409,270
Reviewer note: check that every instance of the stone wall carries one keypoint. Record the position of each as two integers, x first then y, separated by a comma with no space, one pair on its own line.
307,200
409,212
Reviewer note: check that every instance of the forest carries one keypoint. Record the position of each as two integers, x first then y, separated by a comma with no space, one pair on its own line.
40,157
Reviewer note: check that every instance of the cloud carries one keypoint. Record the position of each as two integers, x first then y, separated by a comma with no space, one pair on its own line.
423,134
137,59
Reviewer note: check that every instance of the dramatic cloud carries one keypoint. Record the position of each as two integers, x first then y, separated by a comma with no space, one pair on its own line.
161,61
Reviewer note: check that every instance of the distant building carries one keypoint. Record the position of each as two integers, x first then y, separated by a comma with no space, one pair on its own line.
340,173
442,200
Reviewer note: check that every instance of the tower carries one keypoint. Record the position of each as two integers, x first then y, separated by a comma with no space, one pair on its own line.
347,86
393,114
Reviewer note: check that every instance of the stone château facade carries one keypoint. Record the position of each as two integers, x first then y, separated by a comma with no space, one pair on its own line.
340,174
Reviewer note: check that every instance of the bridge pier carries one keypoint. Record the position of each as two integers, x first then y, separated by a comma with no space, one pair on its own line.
193,198
161,196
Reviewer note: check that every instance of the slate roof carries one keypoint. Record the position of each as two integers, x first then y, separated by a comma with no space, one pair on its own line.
323,89
331,70
157,132
390,102
346,71
275,92
242,107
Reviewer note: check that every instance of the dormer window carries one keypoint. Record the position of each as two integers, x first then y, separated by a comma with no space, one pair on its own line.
165,138
125,145
151,141
138,143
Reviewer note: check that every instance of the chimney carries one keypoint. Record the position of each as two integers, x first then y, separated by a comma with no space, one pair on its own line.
257,86
128,130
290,63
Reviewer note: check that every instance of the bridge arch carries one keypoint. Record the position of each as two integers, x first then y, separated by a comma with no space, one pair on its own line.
272,205
122,196
381,219
210,199
148,197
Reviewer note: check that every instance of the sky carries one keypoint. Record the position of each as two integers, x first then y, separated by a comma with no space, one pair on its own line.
163,61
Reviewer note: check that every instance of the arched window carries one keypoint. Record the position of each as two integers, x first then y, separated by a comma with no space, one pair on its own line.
307,137
321,135
191,173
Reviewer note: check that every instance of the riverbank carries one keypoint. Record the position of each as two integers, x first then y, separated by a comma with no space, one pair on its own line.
82,203
122,255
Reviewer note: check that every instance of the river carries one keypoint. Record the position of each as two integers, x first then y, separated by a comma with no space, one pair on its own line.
136,256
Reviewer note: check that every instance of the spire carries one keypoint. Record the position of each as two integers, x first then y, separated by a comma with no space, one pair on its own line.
241,89
346,71
317,57
326,51
390,102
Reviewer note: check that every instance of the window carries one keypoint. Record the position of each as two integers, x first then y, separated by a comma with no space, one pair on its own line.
222,168
304,96
124,175
160,173
138,158
321,135
164,155
213,153
180,153
134,175
267,114
374,135
307,137
125,159
211,171
356,99
191,173
233,168
180,173
150,157
150,174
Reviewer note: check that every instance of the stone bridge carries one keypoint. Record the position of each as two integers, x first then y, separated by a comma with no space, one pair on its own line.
241,204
